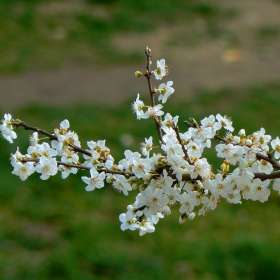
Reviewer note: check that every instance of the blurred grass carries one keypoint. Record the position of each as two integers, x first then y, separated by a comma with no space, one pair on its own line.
38,34
55,230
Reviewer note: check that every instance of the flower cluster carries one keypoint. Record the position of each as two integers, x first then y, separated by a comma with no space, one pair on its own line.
174,172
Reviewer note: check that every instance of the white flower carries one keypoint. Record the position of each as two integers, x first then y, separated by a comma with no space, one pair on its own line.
161,70
202,168
261,190
208,204
154,111
261,139
63,141
98,147
92,161
168,122
180,166
276,185
247,192
65,138
96,180
46,166
64,125
264,166
33,139
275,144
172,148
170,134
164,182
140,167
216,186
232,195
187,203
121,184
225,122
6,129
165,91
109,162
65,171
153,200
193,150
17,157
43,149
137,107
128,221
231,153
47,151
23,170
250,153
210,122
145,226
147,146
68,157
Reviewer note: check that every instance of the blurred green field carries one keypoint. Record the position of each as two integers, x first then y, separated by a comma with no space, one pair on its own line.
55,230
40,34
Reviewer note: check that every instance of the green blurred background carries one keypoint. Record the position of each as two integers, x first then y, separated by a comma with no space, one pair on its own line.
224,59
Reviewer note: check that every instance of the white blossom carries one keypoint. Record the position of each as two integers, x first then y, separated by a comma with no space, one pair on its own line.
225,122
275,144
147,146
23,170
6,128
137,107
96,180
261,139
165,91
121,184
46,166
161,70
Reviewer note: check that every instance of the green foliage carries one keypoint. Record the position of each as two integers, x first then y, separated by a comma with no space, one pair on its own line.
55,230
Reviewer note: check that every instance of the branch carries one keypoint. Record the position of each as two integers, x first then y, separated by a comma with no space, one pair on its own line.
181,143
19,123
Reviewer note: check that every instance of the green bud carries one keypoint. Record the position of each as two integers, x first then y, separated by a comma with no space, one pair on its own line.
138,74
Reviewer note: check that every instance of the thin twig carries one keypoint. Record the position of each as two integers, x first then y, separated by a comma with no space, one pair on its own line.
51,136
148,75
85,167
181,143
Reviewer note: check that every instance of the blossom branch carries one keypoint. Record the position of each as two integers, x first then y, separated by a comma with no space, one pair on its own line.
179,174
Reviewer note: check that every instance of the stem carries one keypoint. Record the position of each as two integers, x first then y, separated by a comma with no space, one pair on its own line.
81,166
180,141
40,131
148,75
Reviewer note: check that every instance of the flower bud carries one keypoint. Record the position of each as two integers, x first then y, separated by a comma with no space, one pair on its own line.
248,142
236,139
138,74
191,216
166,210
182,218
242,133
110,179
